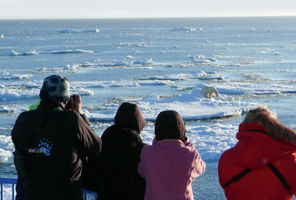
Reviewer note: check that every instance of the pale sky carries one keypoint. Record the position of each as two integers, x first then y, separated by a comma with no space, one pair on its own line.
24,9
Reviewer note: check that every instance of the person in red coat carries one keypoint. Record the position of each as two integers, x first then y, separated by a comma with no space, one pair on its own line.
262,165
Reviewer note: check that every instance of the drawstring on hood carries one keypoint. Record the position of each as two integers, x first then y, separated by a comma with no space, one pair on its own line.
169,125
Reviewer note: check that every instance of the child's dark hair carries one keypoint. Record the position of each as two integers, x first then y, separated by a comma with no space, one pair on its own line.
169,125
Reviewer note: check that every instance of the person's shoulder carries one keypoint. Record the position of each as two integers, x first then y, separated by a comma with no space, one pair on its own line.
28,115
108,132
147,148
70,118
187,149
129,133
115,131
24,114
228,156
71,115
29,112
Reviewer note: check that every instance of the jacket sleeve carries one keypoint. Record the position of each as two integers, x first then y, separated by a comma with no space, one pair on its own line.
88,142
84,117
141,166
199,165
19,139
17,133
289,170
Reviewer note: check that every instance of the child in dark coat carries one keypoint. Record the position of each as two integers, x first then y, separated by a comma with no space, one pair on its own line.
122,145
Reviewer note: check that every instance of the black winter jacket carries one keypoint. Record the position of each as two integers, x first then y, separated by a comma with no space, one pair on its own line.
54,145
121,153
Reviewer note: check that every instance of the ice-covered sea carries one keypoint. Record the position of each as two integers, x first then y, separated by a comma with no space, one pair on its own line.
159,64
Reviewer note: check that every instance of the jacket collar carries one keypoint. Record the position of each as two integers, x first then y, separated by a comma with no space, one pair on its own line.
246,128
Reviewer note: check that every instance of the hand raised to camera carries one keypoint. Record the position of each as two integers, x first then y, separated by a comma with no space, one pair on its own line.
74,103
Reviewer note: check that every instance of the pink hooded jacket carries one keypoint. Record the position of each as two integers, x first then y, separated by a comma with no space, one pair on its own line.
168,167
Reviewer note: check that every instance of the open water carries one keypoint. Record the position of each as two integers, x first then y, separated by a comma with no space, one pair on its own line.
159,64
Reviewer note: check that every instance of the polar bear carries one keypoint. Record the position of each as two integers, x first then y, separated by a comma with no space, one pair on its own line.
209,92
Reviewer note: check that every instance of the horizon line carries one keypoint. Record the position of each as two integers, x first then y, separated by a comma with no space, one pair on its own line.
150,17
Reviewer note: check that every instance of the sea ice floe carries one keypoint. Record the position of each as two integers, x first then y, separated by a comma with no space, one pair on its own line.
201,59
72,30
63,51
66,68
9,76
29,53
191,106
253,88
6,149
186,29
5,109
71,51
128,62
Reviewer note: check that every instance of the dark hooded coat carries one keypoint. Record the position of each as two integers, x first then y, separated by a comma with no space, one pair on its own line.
51,146
121,153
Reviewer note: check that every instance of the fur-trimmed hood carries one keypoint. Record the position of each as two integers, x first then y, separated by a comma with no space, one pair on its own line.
256,147
272,126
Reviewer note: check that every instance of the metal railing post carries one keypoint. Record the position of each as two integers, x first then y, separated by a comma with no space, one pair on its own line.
1,191
13,181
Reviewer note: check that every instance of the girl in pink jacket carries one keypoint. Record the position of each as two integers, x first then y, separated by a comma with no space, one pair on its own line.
171,162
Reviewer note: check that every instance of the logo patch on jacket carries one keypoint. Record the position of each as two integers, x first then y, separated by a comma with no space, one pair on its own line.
44,147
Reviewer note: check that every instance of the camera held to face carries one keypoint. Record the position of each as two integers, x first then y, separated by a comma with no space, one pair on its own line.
74,103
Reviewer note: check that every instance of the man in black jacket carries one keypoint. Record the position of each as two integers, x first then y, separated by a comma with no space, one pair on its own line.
52,144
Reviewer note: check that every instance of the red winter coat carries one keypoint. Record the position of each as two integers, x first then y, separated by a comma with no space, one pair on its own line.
254,150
